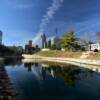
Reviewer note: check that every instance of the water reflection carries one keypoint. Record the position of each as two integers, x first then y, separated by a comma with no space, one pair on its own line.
52,81
12,61
40,71
69,73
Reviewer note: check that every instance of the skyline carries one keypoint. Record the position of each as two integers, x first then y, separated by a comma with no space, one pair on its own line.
20,20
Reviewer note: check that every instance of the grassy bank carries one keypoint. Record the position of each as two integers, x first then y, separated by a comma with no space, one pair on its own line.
95,57
59,54
67,54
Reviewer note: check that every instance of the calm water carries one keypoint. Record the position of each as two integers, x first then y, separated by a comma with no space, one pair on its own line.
51,81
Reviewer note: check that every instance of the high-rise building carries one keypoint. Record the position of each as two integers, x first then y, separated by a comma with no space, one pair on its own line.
55,40
49,43
30,42
29,48
44,42
1,37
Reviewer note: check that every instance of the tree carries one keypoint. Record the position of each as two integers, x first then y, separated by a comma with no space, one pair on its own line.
68,41
53,47
5,51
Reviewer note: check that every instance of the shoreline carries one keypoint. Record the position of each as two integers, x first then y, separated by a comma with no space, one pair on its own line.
95,68
9,57
63,60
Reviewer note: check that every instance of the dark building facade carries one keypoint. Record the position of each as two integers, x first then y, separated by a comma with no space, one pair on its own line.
49,44
44,42
30,48
1,37
30,43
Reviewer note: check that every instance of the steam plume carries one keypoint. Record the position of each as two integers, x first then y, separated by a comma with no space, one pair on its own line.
56,4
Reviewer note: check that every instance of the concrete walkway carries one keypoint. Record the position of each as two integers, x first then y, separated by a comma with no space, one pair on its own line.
64,60
84,55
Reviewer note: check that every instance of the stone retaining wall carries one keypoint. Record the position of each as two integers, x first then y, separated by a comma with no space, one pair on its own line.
80,60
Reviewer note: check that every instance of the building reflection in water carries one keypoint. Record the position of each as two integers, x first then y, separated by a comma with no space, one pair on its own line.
39,71
30,65
43,71
49,75
52,73
69,73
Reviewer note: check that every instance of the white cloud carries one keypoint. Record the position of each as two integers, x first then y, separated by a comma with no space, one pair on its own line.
56,4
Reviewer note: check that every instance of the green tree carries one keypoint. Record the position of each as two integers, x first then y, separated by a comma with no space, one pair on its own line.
53,47
68,41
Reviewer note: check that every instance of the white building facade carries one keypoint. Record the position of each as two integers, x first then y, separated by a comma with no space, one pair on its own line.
95,46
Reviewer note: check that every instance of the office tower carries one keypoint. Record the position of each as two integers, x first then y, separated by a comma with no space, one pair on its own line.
1,37
44,43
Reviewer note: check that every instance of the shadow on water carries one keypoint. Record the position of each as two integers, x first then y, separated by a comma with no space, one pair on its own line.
7,90
13,61
52,81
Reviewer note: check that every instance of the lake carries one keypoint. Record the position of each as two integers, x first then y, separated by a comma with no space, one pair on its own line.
51,81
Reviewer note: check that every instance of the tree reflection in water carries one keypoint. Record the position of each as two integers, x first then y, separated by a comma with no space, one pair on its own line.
52,79
12,61
69,73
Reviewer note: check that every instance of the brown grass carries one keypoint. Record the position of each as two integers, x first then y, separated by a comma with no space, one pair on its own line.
95,57
60,54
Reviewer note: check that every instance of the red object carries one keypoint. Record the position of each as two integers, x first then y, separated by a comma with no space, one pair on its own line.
90,53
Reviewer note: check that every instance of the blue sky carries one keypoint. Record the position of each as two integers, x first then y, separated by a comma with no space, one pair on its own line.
22,20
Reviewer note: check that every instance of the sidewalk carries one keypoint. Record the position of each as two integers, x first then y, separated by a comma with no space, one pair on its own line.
57,59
